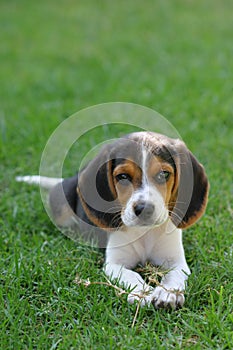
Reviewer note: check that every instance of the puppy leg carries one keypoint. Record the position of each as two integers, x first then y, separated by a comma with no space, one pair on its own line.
139,290
121,257
170,293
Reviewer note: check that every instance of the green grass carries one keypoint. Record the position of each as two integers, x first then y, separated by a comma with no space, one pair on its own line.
58,57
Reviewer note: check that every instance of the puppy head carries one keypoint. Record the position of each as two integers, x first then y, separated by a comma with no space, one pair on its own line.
141,180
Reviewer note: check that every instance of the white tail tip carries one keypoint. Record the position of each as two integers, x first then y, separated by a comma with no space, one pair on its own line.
43,181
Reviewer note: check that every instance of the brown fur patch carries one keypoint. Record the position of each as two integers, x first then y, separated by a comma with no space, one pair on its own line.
157,164
133,170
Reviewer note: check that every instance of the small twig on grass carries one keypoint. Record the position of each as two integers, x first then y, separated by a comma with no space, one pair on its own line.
87,283
136,313
120,291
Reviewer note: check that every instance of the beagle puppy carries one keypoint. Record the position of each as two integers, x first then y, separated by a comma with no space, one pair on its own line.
141,190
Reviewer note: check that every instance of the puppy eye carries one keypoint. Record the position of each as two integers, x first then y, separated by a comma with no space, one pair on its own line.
124,179
162,177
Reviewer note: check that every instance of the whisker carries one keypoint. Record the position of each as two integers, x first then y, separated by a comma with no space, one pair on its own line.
177,212
116,220
177,202
175,215
113,210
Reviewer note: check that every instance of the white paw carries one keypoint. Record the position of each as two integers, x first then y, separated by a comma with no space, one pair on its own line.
167,299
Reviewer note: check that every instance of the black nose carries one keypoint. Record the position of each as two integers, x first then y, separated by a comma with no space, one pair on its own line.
144,210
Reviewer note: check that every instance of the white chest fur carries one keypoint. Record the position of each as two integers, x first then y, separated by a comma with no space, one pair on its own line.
133,245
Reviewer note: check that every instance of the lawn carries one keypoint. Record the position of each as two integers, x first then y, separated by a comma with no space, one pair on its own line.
58,57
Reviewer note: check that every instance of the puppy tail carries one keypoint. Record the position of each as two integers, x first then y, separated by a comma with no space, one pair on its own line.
43,181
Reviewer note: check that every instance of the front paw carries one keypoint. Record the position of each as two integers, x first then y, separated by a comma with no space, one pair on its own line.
167,298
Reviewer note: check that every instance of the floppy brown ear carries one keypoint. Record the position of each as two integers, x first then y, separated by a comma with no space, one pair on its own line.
189,198
96,190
